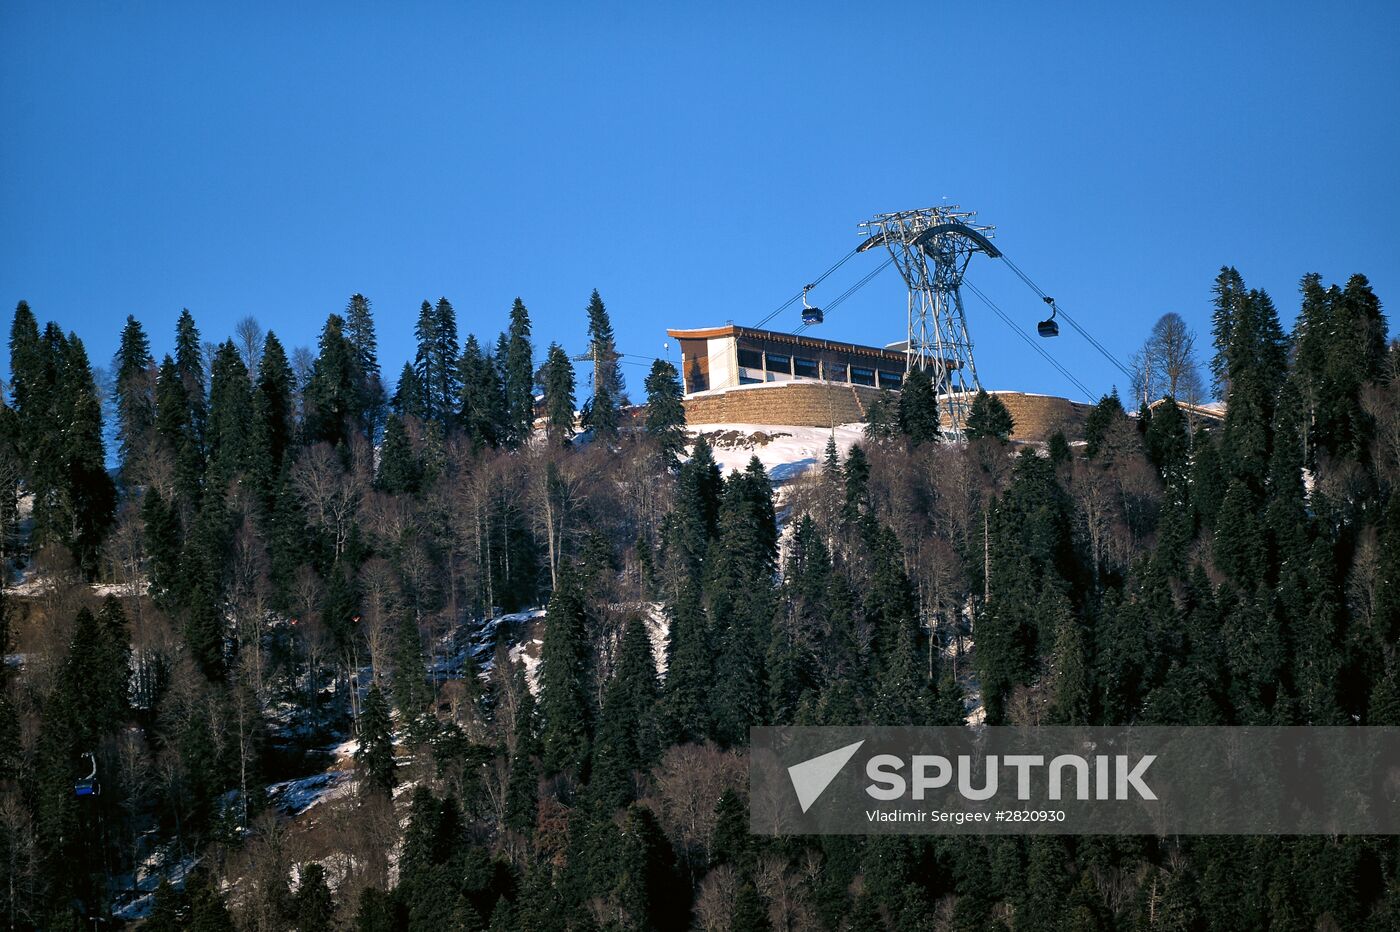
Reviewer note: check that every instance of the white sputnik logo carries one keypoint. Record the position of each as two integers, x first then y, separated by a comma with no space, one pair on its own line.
811,777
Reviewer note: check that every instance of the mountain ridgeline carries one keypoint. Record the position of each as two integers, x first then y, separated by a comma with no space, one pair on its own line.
290,556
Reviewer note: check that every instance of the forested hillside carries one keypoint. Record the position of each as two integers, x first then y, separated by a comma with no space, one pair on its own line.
296,576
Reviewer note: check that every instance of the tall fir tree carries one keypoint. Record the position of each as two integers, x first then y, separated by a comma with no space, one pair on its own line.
628,738
190,371
436,365
482,407
918,408
134,391
332,395
557,380
360,332
408,395
665,412
28,384
689,667
518,369
274,401
374,756
1228,293
89,492
565,705
399,470
742,600
236,443
410,680
602,413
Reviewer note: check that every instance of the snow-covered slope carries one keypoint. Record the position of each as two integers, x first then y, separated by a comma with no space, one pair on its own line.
786,452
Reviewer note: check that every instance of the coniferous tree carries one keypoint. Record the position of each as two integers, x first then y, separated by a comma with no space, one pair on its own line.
989,417
410,682
518,368
882,418
408,394
482,410
29,390
360,332
134,389
694,521
522,788
1229,293
89,494
333,400
856,473
564,681
376,912
747,914
274,401
628,735
1257,364
398,465
207,910
646,875
689,667
448,387
204,565
665,415
374,757
312,905
234,447
62,457
918,408
189,365
557,380
426,377
741,599
602,413
1101,419
436,363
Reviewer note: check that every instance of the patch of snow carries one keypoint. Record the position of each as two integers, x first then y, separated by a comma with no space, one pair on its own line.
785,452
296,796
528,654
139,899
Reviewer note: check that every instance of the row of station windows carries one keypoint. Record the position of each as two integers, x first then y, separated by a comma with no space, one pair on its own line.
755,360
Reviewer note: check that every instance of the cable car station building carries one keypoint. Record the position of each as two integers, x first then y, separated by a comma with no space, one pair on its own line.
742,375
730,356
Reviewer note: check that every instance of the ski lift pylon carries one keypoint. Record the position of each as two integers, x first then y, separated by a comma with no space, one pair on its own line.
1049,327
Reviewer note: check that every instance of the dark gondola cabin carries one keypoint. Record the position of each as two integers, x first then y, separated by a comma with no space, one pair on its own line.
1049,327
88,786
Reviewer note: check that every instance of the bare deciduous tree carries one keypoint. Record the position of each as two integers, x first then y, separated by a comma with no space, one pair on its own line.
248,338
1166,364
330,492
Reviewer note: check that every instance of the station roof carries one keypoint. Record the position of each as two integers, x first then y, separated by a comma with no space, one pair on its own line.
792,339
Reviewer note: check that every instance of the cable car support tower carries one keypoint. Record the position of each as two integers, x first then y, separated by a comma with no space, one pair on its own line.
932,248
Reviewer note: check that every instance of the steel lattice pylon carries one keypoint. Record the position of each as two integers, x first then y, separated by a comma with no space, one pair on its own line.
932,248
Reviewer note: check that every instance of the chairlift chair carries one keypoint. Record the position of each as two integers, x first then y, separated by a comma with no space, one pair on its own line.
1049,327
810,315
88,786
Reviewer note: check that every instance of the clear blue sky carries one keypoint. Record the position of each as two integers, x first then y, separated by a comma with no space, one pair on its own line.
696,163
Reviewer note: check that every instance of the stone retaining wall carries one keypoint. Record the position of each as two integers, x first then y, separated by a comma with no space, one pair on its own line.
793,404
822,404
